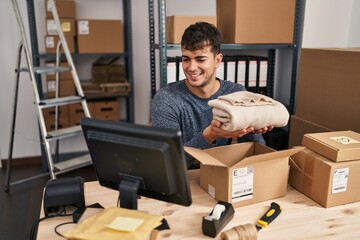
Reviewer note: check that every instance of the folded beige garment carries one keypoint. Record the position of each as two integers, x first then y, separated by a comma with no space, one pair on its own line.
244,109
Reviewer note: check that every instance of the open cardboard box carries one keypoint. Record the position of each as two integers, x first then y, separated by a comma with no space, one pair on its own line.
243,173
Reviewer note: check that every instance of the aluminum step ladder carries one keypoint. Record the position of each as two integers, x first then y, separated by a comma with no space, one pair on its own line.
46,137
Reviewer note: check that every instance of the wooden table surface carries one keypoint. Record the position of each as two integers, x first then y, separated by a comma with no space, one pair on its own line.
301,217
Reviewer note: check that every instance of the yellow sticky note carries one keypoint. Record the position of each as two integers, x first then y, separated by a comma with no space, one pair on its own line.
125,224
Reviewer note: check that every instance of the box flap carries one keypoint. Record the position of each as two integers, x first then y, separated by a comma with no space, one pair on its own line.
203,157
269,156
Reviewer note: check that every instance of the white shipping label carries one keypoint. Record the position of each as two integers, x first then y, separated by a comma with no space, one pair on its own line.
344,140
51,27
83,27
242,184
340,180
50,42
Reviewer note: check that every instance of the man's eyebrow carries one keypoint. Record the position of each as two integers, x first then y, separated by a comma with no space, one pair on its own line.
197,57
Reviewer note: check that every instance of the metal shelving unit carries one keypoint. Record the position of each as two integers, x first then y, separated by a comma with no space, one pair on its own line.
127,55
272,49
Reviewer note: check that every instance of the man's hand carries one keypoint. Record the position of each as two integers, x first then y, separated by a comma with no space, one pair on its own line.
214,131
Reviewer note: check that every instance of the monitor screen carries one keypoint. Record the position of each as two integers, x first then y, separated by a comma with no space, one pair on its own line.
138,160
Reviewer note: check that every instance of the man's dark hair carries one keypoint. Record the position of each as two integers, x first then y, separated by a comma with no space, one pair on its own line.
199,35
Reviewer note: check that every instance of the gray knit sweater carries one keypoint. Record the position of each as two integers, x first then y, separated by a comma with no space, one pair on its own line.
175,107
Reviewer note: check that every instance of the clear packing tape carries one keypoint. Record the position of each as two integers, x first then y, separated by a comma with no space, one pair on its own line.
109,224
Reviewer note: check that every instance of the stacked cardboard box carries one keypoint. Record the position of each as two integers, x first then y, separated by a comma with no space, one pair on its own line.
67,14
328,169
327,92
99,36
176,25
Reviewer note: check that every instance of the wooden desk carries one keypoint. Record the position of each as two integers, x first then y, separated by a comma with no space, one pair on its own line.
301,218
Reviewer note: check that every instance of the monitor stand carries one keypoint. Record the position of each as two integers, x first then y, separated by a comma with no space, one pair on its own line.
128,187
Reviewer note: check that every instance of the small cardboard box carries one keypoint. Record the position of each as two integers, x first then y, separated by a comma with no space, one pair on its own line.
51,42
256,21
65,9
67,88
326,182
108,110
337,146
176,25
243,173
67,26
100,36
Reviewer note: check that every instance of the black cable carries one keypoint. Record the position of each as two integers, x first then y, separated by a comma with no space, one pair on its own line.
61,224
35,226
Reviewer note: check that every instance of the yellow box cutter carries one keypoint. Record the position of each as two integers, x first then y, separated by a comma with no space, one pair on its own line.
269,216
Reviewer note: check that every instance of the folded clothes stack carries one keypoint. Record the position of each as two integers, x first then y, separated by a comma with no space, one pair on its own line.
244,109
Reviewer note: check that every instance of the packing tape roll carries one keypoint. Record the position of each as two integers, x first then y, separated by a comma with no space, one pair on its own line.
218,210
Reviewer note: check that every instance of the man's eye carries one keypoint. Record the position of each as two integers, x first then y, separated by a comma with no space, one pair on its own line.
185,59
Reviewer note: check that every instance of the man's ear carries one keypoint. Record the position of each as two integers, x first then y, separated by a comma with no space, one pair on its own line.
218,59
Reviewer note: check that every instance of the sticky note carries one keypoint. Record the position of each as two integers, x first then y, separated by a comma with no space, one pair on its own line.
125,224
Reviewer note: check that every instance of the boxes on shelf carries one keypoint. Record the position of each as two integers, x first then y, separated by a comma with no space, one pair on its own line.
65,9
176,25
66,88
328,88
51,42
108,69
99,36
67,26
337,146
92,89
326,182
256,21
299,127
243,173
106,110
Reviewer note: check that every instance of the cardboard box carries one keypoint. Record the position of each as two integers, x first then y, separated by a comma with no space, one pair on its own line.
100,36
299,127
328,88
65,9
176,25
67,88
51,42
256,21
326,182
337,146
67,26
63,117
243,173
107,110
76,112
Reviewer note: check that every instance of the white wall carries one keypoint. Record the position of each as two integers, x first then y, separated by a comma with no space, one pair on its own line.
328,23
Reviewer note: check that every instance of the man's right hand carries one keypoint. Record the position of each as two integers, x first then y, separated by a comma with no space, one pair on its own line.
214,131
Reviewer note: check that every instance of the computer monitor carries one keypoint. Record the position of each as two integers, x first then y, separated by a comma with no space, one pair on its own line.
138,160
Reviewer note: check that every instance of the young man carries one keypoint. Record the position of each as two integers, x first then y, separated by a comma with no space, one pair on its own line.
183,105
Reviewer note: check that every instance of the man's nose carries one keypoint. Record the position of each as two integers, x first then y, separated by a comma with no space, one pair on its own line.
192,65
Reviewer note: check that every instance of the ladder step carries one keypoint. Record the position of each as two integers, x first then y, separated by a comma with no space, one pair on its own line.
46,69
63,133
53,102
72,164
